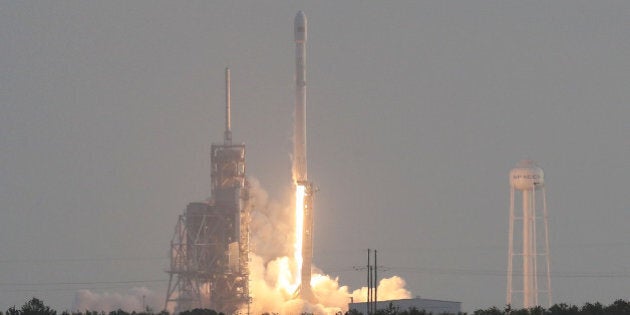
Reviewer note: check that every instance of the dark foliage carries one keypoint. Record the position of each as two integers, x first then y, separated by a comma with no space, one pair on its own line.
619,307
36,306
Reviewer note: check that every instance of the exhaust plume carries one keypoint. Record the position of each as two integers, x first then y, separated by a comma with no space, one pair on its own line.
274,272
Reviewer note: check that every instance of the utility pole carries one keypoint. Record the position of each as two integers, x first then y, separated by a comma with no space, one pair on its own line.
369,285
372,283
375,282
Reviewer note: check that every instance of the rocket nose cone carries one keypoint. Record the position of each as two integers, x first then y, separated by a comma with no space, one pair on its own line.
300,26
300,17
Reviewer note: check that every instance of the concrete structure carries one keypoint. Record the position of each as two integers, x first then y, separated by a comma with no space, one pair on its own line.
527,188
210,248
430,306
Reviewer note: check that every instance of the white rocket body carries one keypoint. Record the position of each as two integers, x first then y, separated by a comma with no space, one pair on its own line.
299,157
299,140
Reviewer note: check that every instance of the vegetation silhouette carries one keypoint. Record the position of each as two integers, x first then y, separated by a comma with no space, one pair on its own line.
36,306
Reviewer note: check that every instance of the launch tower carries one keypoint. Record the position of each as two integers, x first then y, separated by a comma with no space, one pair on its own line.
210,246
527,186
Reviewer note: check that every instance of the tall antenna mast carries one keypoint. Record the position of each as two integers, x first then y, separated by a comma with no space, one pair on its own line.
228,108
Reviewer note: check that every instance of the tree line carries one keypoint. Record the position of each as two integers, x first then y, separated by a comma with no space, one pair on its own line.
619,307
36,306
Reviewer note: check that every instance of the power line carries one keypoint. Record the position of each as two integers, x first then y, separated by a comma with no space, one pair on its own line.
80,283
61,289
49,260
483,272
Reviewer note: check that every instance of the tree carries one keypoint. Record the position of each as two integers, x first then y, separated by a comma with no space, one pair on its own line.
564,309
619,307
592,309
491,311
538,310
36,307
118,312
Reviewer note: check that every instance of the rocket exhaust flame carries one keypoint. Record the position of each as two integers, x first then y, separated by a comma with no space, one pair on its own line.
299,230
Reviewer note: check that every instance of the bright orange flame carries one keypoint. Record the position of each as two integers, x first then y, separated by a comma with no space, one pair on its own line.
299,228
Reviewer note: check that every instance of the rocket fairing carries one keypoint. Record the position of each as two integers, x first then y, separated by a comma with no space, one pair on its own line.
299,141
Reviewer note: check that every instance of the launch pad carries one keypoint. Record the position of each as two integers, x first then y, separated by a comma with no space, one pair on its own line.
210,247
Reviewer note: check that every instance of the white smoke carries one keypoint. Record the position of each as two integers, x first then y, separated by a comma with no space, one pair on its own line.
388,289
272,273
272,293
136,299
272,267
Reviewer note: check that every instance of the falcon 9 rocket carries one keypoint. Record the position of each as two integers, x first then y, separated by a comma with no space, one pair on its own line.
304,188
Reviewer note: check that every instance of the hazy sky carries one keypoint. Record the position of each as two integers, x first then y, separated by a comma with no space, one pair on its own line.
417,111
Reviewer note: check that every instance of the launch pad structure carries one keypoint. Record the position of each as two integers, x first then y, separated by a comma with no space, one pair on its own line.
209,263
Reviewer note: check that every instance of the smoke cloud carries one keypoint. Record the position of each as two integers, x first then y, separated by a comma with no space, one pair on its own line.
273,272
272,291
273,269
271,224
136,299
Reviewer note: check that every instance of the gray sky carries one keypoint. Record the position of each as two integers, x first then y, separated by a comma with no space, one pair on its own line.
417,112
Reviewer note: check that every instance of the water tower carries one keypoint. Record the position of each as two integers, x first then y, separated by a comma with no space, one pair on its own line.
528,252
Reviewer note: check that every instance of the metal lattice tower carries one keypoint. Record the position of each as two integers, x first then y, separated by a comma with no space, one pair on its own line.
210,247
532,256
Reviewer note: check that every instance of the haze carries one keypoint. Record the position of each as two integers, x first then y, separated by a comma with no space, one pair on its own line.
416,113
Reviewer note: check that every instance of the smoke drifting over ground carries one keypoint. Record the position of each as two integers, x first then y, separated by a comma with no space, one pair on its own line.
273,270
272,290
136,299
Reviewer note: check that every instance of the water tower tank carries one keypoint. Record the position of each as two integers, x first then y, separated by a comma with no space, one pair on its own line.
528,207
526,176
